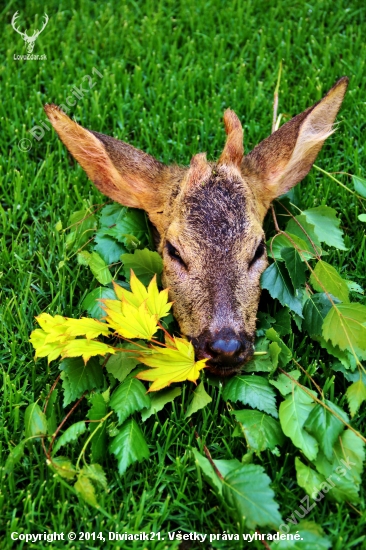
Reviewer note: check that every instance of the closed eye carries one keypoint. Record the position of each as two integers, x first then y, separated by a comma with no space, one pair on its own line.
174,254
258,253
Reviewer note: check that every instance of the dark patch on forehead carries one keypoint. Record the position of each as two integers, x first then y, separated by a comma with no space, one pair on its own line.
216,210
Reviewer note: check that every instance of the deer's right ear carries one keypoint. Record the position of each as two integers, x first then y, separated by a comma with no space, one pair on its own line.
286,156
120,171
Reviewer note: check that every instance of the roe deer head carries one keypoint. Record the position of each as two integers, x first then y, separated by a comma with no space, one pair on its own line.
209,217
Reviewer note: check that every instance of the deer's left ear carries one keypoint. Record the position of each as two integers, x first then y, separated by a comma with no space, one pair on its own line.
285,157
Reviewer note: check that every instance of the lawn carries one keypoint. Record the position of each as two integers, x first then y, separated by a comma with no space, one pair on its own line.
159,75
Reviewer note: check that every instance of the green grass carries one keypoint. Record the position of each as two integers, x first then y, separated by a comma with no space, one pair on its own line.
169,71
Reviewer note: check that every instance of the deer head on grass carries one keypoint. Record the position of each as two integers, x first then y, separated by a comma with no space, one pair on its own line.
209,217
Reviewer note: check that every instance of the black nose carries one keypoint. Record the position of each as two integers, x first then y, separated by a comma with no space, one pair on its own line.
225,345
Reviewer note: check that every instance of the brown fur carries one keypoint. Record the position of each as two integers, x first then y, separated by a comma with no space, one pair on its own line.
209,217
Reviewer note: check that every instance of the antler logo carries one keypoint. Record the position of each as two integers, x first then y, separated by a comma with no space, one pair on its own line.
29,40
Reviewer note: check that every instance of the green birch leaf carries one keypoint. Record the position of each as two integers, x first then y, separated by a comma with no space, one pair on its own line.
130,396
108,248
278,283
199,400
281,241
129,445
295,266
83,226
209,473
251,390
294,412
91,302
356,395
326,278
325,427
225,467
345,327
97,411
326,225
260,430
111,214
260,363
274,352
311,537
85,490
354,287
305,231
285,384
15,456
345,468
52,422
78,377
307,478
122,363
362,217
345,357
247,491
359,185
35,421
71,434
145,265
285,353
131,226
158,401
283,322
63,467
315,310
99,269
96,473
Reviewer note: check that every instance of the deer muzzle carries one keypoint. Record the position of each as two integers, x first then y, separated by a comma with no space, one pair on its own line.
225,350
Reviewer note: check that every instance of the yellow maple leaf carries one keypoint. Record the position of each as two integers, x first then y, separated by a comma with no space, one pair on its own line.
133,322
52,350
54,327
171,365
90,328
156,302
82,347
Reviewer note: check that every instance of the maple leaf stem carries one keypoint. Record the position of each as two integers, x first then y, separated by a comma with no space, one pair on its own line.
308,392
130,342
165,332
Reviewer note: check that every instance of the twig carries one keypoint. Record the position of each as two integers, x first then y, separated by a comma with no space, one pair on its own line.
207,453
310,378
59,427
265,544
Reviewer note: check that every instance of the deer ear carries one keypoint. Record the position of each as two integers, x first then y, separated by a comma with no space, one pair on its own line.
120,171
285,157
